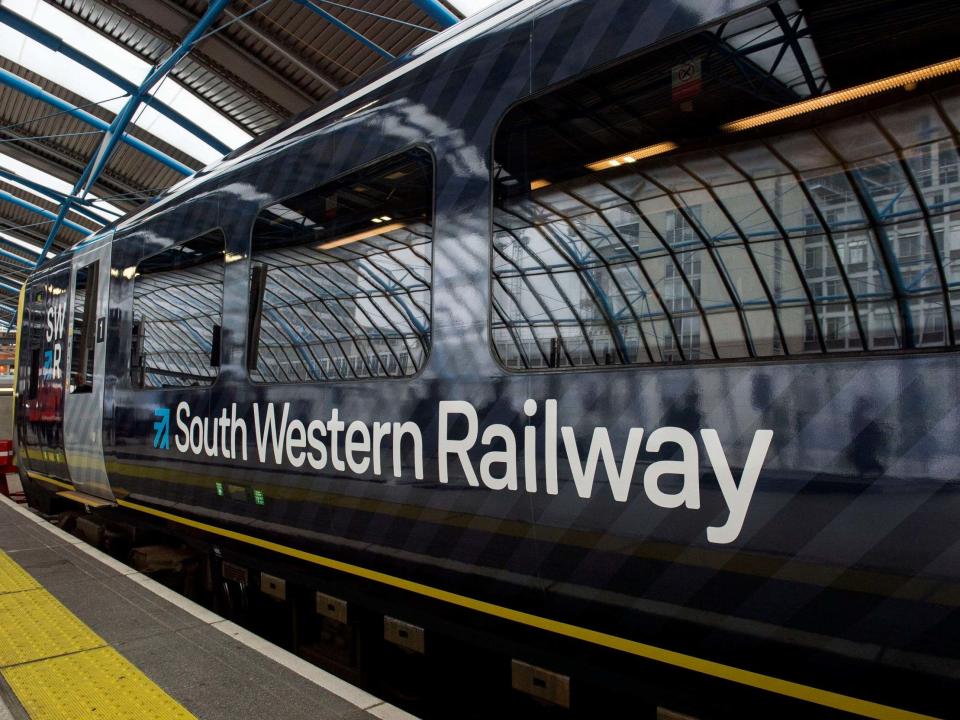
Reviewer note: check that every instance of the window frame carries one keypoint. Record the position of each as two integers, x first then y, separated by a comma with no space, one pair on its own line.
88,330
133,291
419,145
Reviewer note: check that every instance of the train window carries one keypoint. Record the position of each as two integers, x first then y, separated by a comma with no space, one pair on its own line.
749,191
340,277
83,332
177,309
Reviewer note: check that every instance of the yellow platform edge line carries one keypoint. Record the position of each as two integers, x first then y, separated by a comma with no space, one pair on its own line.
14,578
826,698
97,683
59,668
34,625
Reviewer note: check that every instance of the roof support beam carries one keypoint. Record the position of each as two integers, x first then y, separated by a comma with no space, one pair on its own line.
55,195
117,129
339,24
58,162
11,288
55,43
17,258
27,232
438,12
790,38
38,93
276,47
220,53
37,210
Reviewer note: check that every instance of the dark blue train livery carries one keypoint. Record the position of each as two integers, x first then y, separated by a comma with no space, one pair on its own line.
615,339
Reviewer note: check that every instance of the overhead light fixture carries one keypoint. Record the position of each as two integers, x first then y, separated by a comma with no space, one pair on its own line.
373,232
632,156
907,80
537,184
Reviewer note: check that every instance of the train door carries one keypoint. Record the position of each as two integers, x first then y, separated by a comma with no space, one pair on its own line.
40,380
83,402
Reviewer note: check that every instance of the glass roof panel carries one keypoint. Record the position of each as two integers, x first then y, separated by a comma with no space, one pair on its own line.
94,88
33,174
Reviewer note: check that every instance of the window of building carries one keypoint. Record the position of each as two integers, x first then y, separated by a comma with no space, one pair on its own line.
639,222
177,311
857,253
341,277
813,258
948,164
909,248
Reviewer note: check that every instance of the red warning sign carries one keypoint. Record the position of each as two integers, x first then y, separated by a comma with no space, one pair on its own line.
685,80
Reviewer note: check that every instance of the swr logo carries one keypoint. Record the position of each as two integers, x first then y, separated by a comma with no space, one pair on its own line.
161,438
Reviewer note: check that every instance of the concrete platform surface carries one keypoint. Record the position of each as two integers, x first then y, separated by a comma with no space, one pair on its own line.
210,667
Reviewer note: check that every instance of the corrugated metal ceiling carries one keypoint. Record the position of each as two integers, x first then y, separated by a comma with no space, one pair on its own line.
272,61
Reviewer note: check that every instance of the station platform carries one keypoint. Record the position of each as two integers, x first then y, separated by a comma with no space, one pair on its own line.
84,636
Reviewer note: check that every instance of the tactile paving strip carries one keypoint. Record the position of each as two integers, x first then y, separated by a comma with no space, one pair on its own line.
14,578
98,683
60,669
33,625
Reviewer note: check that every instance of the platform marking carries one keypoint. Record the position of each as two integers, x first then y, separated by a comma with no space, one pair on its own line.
318,676
99,683
787,688
60,669
14,578
34,626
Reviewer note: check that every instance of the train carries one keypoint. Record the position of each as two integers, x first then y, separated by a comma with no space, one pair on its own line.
600,354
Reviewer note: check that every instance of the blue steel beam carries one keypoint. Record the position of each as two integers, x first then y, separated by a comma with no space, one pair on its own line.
11,322
55,43
117,129
37,210
340,24
11,288
5,240
38,93
17,258
438,12
7,243
54,195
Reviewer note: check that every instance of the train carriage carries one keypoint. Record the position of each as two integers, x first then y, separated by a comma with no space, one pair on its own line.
615,339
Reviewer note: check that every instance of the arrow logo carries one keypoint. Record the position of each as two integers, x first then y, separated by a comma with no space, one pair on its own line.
162,426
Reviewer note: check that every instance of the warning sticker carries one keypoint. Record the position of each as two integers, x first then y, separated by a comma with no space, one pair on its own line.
685,80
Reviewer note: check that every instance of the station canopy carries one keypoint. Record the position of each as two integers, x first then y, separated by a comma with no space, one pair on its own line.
104,104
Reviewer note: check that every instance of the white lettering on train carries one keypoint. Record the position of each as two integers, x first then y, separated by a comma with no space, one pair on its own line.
505,464
53,363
